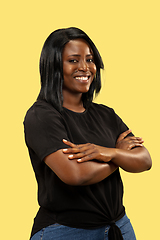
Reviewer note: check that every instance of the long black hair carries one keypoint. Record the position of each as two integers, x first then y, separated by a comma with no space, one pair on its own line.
51,67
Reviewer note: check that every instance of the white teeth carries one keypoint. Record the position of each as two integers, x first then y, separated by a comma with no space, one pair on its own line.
81,78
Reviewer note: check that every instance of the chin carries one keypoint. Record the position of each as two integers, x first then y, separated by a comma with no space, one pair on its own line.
84,90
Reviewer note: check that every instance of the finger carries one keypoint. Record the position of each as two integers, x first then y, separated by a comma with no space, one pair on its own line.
139,140
85,159
133,137
75,145
78,148
135,140
132,140
133,145
70,144
123,135
88,157
92,156
85,145
71,150
82,154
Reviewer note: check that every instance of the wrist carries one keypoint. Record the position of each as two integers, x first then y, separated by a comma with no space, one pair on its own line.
107,154
118,153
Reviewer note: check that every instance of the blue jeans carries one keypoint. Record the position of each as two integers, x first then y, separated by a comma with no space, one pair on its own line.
61,232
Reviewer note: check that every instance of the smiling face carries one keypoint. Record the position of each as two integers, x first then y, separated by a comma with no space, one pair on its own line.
79,68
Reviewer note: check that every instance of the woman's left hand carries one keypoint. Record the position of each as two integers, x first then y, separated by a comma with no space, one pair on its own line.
88,151
135,160
127,143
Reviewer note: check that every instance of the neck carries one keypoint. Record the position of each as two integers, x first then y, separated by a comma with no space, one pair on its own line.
73,101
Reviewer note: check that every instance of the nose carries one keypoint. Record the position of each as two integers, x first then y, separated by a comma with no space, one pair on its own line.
83,66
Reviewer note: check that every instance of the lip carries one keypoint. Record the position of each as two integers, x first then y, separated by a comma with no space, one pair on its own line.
82,75
82,78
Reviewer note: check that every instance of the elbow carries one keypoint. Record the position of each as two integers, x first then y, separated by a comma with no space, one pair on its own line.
148,164
145,165
144,161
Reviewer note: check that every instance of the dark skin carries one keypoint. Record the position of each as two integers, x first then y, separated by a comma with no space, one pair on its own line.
79,70
76,164
124,155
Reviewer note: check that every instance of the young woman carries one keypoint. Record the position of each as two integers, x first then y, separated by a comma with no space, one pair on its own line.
76,146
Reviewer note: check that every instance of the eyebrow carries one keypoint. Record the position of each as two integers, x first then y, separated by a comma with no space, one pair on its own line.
77,55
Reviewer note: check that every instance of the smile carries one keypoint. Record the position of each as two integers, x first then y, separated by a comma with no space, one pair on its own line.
82,78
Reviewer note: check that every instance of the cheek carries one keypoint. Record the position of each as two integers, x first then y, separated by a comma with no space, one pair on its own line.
67,70
94,69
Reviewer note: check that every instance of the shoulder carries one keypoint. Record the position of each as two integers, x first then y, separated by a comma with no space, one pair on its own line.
41,111
106,113
110,116
102,108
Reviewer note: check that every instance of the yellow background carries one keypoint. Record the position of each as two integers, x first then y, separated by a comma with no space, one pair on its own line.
127,36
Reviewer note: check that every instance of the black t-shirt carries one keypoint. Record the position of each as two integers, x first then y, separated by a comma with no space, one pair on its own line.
75,206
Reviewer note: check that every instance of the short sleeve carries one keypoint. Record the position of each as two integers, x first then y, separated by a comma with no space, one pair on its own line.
122,127
44,130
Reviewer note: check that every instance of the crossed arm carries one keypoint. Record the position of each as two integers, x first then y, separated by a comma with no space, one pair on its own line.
74,165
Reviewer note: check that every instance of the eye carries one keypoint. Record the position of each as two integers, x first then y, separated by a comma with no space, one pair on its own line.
90,60
73,61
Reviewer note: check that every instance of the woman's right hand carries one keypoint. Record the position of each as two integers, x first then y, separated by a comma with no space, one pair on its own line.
88,151
127,143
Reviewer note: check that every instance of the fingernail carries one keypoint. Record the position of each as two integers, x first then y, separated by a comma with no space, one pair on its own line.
64,140
65,150
79,160
70,156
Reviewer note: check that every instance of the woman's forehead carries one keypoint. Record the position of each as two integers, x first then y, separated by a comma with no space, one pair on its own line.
77,46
